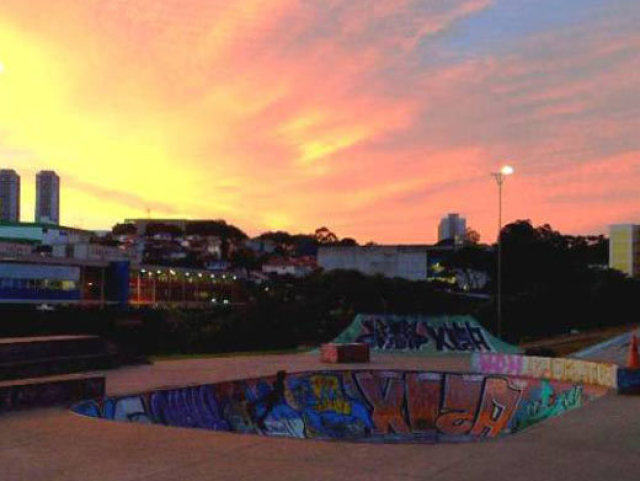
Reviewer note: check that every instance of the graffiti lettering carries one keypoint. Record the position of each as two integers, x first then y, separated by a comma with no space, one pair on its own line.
504,364
559,369
399,335
499,401
460,399
402,334
547,403
327,392
385,393
423,400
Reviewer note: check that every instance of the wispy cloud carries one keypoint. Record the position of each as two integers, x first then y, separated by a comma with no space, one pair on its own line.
375,117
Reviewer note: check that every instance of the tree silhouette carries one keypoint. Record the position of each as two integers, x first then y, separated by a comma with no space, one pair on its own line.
324,236
124,229
471,237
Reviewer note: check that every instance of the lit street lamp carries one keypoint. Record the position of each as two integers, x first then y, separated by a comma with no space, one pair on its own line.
500,177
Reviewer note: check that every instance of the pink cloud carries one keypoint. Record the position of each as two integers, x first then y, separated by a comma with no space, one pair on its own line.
294,114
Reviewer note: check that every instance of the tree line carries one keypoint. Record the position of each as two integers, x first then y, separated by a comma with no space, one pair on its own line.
552,284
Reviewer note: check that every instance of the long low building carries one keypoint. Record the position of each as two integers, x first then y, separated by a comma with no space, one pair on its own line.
98,282
36,280
403,261
46,234
50,264
17,247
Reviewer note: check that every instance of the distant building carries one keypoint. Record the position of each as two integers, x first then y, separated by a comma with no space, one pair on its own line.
47,197
141,224
44,234
203,246
296,267
470,279
97,275
624,248
218,266
33,282
260,246
407,262
452,227
9,196
16,248
94,252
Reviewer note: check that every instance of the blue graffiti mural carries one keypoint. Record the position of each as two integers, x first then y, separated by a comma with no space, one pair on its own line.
327,408
193,407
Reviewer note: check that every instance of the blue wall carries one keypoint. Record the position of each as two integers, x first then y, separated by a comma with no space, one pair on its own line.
41,295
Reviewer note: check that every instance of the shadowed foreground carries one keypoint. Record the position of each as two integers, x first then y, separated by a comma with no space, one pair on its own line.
595,442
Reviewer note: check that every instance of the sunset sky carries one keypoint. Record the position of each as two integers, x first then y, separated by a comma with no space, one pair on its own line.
373,117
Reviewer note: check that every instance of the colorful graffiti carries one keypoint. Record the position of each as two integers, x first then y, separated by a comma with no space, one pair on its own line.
422,334
559,369
369,405
546,403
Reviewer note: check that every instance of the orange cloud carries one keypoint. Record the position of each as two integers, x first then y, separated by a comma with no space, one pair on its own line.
286,114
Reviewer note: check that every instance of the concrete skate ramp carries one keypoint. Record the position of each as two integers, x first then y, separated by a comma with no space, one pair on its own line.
357,405
425,335
614,350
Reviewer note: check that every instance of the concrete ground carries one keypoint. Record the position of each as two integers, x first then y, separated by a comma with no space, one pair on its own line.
600,441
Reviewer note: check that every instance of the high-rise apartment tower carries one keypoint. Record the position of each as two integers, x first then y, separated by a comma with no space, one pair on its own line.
47,197
624,248
452,227
9,195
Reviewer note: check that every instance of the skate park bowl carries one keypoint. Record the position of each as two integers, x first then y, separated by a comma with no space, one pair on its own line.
388,406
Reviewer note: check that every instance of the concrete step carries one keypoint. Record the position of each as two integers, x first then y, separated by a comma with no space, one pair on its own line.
25,348
49,391
55,365
50,355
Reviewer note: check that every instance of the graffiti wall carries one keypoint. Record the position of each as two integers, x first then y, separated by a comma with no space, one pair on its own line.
422,334
559,369
368,405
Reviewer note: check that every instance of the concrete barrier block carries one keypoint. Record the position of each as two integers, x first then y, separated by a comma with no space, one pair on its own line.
628,381
337,353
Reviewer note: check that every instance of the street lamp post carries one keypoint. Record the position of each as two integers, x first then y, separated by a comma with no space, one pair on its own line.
500,177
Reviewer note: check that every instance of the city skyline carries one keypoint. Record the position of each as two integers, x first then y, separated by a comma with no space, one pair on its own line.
46,199
372,120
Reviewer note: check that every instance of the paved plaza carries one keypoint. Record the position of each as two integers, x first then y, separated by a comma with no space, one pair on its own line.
600,441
